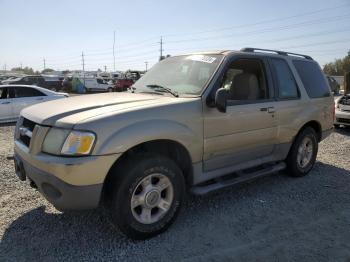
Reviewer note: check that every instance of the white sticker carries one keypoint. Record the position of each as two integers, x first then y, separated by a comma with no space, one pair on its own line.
202,58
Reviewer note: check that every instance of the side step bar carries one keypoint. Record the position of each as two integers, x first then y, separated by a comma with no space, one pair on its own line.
241,178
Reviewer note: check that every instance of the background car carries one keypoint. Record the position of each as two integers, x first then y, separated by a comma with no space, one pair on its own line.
91,84
13,98
342,111
123,84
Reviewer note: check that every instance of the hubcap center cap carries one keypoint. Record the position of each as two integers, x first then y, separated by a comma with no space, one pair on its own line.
152,198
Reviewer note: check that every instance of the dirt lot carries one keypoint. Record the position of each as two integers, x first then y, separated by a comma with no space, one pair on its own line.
272,219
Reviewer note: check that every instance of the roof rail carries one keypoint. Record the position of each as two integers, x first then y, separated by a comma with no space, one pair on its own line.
252,49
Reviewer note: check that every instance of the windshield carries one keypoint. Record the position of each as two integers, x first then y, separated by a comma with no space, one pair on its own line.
181,74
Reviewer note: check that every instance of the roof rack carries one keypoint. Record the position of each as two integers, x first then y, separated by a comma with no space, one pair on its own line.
252,49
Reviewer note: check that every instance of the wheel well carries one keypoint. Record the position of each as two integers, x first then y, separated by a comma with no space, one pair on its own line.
174,150
316,126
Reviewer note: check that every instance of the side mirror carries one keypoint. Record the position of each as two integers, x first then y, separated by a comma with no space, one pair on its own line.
221,100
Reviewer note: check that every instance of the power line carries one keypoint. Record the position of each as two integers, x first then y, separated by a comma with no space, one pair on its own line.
266,30
261,22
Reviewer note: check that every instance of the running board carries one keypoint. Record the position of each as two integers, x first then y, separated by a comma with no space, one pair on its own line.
241,178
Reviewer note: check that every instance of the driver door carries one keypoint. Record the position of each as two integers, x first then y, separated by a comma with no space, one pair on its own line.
248,129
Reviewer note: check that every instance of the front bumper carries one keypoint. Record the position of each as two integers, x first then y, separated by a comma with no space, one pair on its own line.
62,195
342,118
73,183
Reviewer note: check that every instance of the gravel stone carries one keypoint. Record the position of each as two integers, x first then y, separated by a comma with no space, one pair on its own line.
277,218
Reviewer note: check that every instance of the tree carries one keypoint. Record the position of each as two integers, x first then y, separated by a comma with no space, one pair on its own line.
339,67
26,70
47,70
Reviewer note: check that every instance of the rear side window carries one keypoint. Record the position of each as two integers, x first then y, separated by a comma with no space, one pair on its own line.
27,92
286,84
312,78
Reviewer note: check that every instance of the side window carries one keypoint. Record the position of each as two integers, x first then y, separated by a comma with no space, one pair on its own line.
3,93
286,84
27,92
245,80
99,81
312,78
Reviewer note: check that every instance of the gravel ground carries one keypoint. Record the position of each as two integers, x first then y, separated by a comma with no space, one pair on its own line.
277,218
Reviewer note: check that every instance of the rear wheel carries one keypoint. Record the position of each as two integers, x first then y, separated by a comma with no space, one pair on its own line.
336,125
110,89
302,155
147,199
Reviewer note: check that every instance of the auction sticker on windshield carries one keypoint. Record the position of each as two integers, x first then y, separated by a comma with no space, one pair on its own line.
202,58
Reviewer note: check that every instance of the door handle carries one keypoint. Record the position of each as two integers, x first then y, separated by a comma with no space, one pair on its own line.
270,109
5,103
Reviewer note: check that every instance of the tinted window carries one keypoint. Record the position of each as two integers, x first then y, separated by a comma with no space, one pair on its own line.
287,87
99,81
312,78
3,93
27,92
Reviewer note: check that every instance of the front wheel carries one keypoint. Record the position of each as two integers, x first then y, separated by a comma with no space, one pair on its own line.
147,198
303,153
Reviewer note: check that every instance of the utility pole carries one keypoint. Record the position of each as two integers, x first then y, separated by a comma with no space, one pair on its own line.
146,63
161,49
105,68
21,65
113,51
44,63
5,68
83,62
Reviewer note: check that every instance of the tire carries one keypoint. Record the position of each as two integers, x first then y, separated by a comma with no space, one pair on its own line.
129,188
336,126
110,89
301,166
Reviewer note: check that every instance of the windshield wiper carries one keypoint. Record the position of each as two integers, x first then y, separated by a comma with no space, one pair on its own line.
165,89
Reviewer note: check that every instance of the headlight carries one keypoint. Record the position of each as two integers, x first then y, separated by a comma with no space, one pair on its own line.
78,143
66,142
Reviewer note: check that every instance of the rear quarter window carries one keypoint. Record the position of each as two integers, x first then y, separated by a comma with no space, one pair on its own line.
312,78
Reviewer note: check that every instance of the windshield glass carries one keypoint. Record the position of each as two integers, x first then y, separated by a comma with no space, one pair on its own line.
181,74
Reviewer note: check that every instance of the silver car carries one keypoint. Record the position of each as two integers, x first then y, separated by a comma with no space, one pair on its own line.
13,98
342,111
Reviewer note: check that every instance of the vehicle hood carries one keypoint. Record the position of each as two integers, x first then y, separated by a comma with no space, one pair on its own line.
70,111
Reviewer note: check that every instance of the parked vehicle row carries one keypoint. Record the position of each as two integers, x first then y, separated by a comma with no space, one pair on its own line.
197,123
49,82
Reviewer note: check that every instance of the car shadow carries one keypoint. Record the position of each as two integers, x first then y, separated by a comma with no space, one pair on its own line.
343,130
249,215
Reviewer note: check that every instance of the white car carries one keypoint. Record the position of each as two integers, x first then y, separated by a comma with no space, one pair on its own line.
13,98
96,84
342,111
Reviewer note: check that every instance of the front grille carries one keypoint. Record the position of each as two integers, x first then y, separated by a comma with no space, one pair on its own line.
25,131
28,124
343,120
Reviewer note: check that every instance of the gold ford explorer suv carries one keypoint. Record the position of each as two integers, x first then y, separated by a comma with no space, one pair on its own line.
200,122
